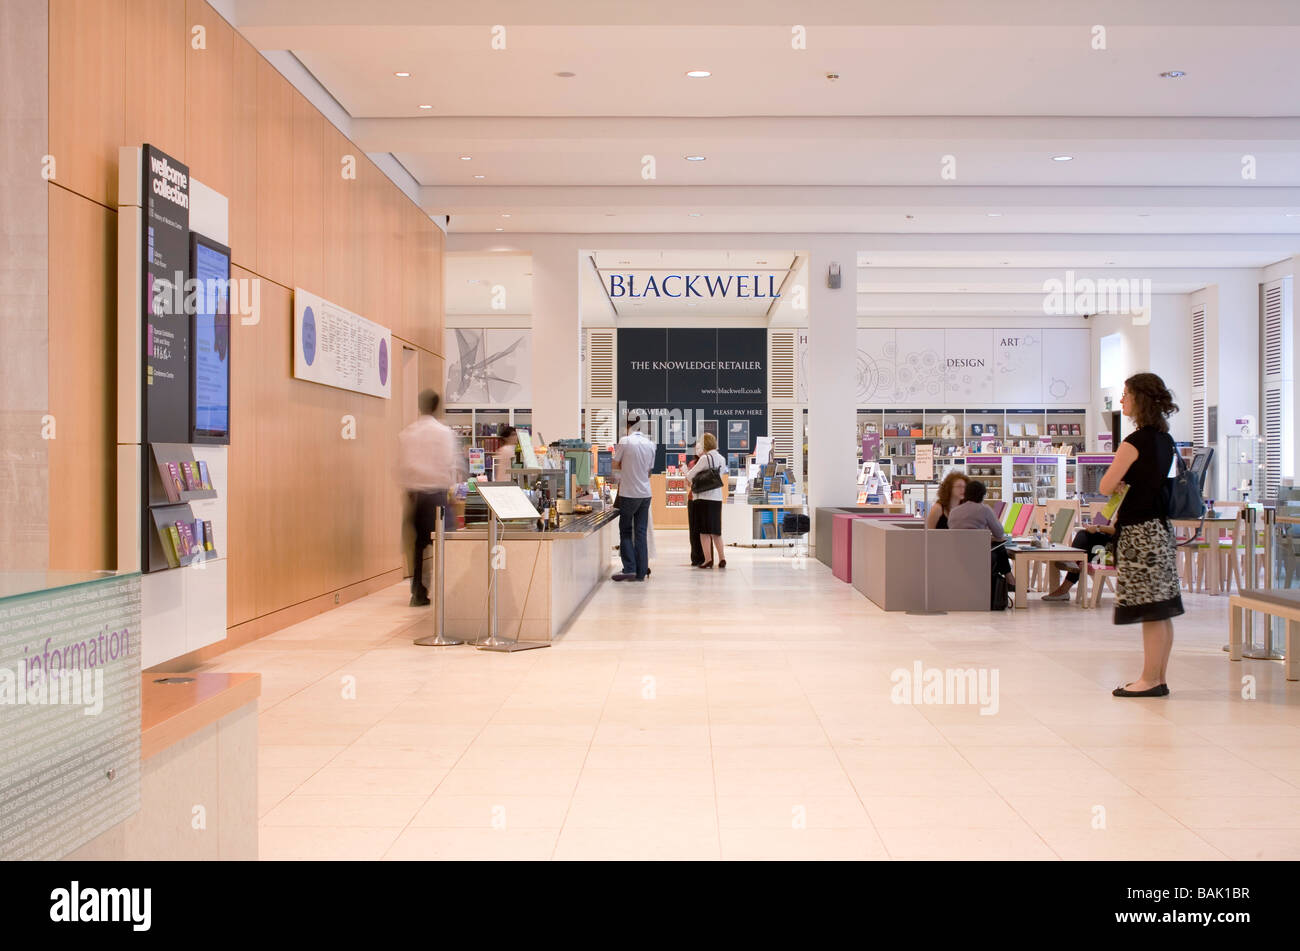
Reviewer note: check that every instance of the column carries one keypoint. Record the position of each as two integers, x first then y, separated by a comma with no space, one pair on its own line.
557,341
832,380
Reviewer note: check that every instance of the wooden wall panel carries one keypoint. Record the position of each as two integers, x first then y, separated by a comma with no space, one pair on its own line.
275,161
342,203
87,97
245,501
83,383
153,50
243,192
210,99
310,512
308,195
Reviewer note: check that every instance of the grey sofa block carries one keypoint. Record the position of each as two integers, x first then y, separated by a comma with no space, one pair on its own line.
893,562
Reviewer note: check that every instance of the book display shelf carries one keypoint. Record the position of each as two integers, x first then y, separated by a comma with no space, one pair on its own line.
178,537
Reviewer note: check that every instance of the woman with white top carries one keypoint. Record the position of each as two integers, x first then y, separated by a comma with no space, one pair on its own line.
708,514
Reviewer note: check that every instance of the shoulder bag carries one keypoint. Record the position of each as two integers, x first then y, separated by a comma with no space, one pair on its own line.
709,479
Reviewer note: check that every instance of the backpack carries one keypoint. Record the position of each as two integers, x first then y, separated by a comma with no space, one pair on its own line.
1183,493
998,599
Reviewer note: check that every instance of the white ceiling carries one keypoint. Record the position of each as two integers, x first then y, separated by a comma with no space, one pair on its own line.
1000,86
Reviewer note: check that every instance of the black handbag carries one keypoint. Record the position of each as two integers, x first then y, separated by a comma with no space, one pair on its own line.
706,480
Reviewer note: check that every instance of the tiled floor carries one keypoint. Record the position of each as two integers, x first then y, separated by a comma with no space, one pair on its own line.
750,714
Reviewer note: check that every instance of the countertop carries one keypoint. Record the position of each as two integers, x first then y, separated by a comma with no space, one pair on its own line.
571,527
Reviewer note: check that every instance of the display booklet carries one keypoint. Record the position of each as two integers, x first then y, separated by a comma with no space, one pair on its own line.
209,540
197,473
1107,514
187,538
174,478
200,540
168,477
173,551
204,478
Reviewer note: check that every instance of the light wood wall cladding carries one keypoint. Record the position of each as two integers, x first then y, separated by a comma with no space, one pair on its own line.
310,512
83,382
87,93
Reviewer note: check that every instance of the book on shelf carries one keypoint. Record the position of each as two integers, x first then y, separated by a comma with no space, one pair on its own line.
186,547
168,481
204,478
209,540
176,554
990,429
178,486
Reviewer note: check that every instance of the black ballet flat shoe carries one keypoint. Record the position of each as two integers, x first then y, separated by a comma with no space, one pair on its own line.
1159,690
723,563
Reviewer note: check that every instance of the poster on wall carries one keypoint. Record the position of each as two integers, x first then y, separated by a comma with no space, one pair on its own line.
335,347
166,256
738,435
489,366
710,379
972,367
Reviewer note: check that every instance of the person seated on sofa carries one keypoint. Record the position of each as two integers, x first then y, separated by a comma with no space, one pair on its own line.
973,513
951,492
1086,538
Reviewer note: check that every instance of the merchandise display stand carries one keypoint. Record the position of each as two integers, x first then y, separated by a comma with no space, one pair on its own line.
503,502
439,637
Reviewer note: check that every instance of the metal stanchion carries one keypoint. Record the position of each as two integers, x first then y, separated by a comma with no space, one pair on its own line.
439,637
493,642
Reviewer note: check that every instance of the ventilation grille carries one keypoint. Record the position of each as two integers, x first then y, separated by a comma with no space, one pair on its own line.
601,422
1198,422
1273,336
1272,440
1198,350
782,381
600,364
781,419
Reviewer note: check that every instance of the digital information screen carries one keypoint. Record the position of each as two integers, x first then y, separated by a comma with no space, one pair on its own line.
210,344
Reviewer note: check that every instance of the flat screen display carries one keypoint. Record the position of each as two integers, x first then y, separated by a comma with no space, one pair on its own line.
210,341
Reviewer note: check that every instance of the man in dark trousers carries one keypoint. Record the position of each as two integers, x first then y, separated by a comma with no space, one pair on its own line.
633,460
428,456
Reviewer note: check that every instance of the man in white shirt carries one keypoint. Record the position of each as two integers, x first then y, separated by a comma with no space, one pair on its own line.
429,464
633,460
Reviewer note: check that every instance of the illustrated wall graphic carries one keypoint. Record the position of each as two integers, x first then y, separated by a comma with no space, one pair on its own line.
489,367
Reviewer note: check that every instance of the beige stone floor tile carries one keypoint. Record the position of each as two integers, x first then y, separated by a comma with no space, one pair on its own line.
1268,845
1233,812
358,756
649,757
311,757
344,811
1084,813
616,783
324,842
438,843
791,812
776,757
810,844
1025,757
1158,845
489,756
1245,782
372,781
540,781
685,812
964,844
492,811
618,734
783,782
941,812
1084,781
919,782
636,844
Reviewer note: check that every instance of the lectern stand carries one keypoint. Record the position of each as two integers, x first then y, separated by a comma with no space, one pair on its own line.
503,502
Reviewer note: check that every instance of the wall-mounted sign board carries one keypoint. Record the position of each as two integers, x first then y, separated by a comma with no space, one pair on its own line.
334,346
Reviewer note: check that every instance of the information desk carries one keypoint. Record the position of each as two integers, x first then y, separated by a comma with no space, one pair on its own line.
542,580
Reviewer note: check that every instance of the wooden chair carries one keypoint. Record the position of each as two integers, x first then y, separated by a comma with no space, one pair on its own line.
1095,577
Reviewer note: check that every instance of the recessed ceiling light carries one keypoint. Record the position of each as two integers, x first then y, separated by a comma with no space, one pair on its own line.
995,214
500,229
1293,214
480,176
609,214
426,107
565,74
694,158
694,214
505,214
402,75
465,158
1062,158
1006,262
1144,214
1173,74
699,74
1110,262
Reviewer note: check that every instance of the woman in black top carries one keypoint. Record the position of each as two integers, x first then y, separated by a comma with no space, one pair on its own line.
1146,588
952,492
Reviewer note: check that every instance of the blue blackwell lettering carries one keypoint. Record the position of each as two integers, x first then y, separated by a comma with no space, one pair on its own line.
616,282
651,287
670,277
690,286
713,285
